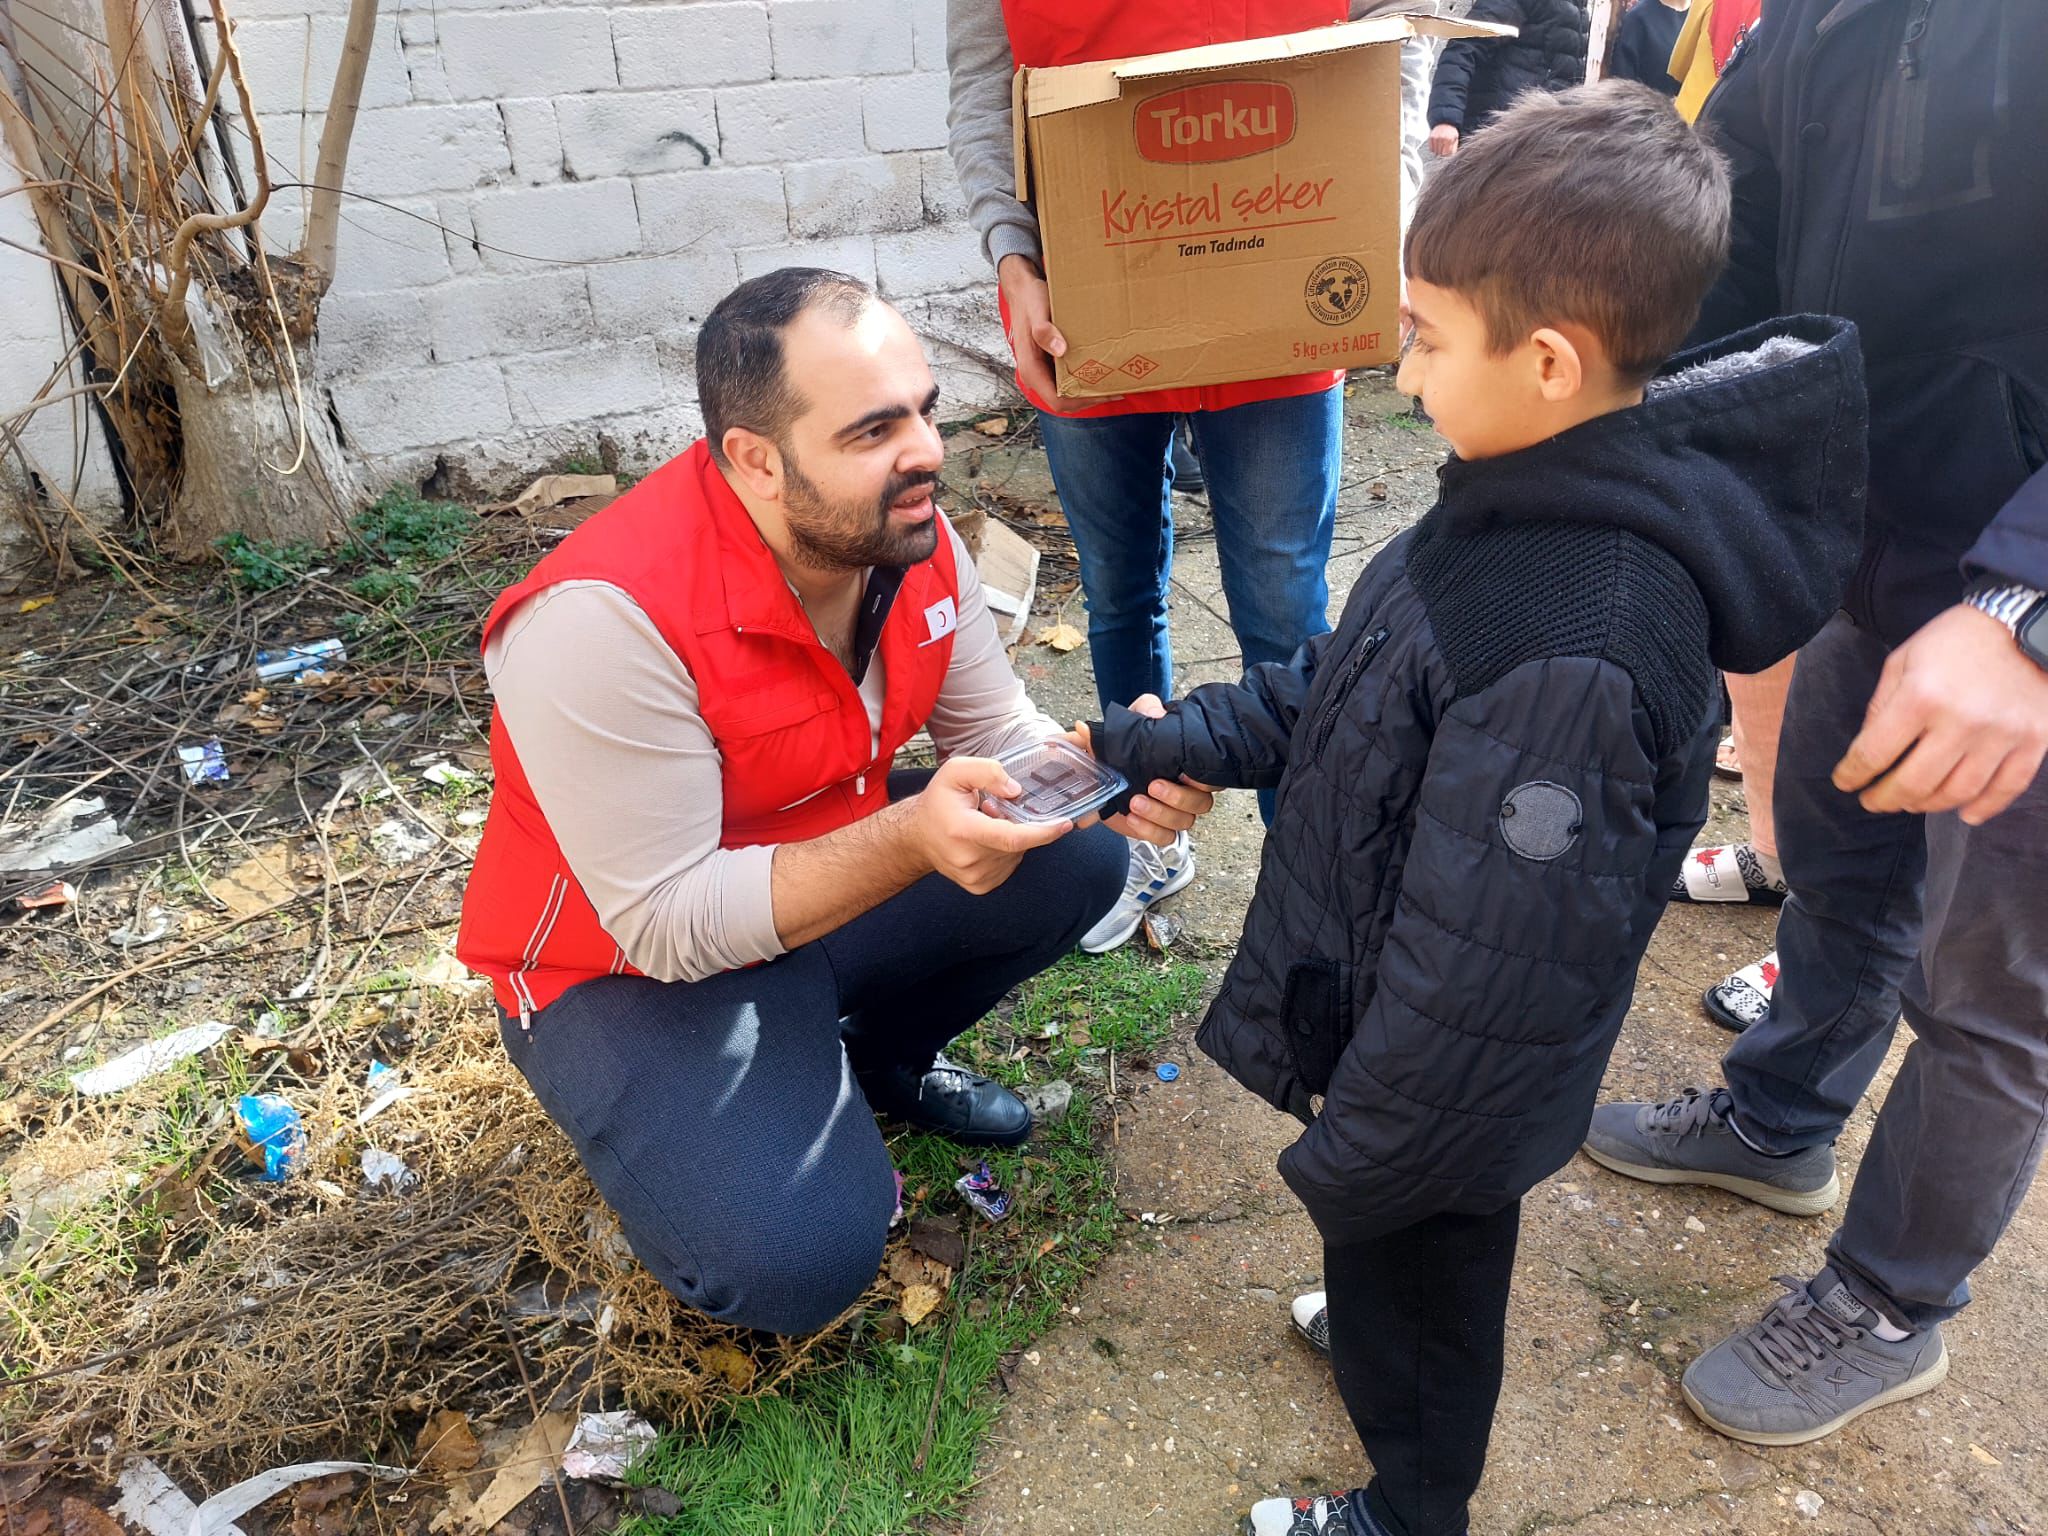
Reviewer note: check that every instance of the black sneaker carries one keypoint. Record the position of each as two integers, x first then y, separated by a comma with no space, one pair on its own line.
947,1098
1323,1514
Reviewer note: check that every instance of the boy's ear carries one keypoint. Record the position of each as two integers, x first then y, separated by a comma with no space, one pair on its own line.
1560,366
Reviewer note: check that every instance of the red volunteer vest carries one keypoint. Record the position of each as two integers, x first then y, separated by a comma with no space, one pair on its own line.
798,754
1044,33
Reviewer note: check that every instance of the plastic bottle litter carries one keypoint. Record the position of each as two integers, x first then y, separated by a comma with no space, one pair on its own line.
296,663
148,1059
205,763
276,1136
981,1191
1167,1071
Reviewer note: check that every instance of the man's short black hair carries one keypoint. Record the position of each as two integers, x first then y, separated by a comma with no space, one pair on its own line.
741,381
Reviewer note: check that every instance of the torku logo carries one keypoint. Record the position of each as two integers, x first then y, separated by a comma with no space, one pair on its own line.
1337,290
1216,120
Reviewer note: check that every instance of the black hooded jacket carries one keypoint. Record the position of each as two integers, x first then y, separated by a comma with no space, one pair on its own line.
1478,76
1489,772
1890,165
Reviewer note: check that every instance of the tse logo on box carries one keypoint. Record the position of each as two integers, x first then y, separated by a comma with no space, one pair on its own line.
1216,120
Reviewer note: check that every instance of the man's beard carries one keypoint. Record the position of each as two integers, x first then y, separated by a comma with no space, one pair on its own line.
852,535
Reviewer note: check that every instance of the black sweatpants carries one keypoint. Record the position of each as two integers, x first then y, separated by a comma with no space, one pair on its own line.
1417,1325
722,1119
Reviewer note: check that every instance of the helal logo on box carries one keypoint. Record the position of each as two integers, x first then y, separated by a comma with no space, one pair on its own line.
1216,120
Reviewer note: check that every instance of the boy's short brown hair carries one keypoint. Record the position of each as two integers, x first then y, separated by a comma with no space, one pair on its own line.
1598,205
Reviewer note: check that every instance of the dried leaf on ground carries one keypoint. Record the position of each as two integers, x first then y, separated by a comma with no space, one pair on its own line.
938,1239
321,1507
905,1268
919,1302
533,1460
1061,637
735,1366
83,1519
552,490
446,1444
257,882
31,604
988,426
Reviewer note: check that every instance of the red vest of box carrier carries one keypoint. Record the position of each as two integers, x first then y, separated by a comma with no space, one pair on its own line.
1044,33
798,754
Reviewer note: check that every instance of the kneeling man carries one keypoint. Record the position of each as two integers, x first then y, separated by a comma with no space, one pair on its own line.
721,932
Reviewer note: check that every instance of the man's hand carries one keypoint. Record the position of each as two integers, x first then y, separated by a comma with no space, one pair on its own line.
1168,809
963,842
1443,140
1959,722
1034,339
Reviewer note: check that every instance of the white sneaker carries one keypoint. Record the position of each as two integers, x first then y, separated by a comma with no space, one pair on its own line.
1155,872
1311,1312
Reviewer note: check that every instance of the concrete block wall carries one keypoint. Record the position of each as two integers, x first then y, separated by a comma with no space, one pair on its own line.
61,456
556,194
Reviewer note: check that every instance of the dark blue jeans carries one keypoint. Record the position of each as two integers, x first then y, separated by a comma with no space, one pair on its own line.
1272,468
721,1119
1949,922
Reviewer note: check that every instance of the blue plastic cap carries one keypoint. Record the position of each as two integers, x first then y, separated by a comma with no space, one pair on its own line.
1167,1071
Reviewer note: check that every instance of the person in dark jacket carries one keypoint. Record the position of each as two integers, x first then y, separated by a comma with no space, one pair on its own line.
1477,77
1489,771
1888,166
1643,50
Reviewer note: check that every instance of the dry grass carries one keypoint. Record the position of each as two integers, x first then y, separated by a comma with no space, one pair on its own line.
326,1315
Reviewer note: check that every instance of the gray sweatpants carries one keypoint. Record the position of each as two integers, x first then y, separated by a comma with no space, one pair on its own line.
1949,921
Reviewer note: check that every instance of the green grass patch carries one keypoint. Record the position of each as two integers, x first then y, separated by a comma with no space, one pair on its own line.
838,1450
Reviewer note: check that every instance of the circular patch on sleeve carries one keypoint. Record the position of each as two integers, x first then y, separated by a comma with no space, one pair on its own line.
1540,820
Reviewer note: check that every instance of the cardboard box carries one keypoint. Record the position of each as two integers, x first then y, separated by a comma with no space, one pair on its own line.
1222,213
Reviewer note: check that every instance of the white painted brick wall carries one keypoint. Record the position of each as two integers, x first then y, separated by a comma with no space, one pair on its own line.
571,188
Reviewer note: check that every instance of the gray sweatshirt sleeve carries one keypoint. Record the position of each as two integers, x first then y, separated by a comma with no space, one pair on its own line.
979,130
605,720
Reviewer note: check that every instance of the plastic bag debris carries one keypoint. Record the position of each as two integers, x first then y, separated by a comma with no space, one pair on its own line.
296,663
385,1089
206,763
154,925
399,842
149,1059
446,773
604,1445
387,1170
981,1191
68,833
276,1137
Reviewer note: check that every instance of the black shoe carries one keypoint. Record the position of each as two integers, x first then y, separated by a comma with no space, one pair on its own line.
1188,478
949,1099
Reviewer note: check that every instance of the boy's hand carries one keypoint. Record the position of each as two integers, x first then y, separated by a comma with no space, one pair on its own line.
1443,140
1959,722
1167,809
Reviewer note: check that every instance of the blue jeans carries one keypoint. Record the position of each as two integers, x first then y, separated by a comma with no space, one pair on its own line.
1887,912
1272,468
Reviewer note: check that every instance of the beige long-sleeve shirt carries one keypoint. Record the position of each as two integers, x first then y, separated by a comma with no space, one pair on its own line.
605,720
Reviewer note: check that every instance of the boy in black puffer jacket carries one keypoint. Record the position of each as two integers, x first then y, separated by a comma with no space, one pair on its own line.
1489,772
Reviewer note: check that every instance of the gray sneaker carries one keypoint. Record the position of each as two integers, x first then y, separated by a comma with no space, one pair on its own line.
1688,1140
1808,1367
